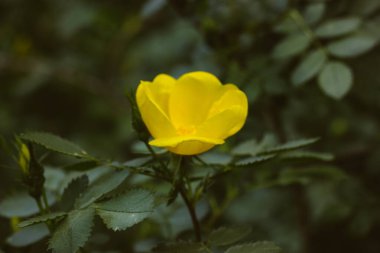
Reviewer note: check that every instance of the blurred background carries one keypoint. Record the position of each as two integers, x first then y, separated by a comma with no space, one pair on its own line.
309,68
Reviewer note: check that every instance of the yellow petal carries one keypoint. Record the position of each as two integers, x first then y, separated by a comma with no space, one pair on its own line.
160,89
231,96
227,115
186,145
153,116
223,124
192,98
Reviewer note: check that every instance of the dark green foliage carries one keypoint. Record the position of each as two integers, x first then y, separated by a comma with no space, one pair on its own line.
257,247
42,218
102,186
181,247
74,231
55,143
126,210
29,235
72,192
309,69
20,205
227,236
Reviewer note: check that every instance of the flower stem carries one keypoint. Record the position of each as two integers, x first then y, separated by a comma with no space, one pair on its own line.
179,180
45,201
193,215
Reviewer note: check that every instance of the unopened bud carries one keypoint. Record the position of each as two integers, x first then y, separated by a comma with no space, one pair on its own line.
24,158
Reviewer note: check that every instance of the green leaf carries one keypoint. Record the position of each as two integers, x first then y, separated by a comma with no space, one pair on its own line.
100,187
252,147
295,144
127,209
309,67
151,7
54,143
335,79
291,45
20,205
81,166
314,13
181,247
227,236
73,232
41,218
287,25
338,27
352,46
28,235
298,154
257,247
138,162
73,191
254,160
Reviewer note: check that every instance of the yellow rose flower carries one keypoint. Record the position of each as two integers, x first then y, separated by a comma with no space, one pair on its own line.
192,114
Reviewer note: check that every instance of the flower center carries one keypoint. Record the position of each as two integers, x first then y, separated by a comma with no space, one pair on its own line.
186,130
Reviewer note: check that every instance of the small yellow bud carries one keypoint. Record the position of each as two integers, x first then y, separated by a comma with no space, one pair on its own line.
24,158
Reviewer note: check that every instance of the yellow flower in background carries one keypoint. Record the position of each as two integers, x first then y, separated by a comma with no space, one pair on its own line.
191,114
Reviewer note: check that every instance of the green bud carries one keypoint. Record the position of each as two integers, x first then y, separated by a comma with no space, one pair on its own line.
34,179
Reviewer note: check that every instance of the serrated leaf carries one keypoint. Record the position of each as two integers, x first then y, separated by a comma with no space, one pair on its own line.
181,247
54,143
127,209
298,154
227,236
20,205
100,187
73,232
291,145
41,218
257,247
314,13
338,27
291,45
73,191
28,235
252,147
352,46
81,166
254,160
335,79
309,67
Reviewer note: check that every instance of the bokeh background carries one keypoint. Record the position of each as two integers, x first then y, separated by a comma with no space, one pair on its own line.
66,66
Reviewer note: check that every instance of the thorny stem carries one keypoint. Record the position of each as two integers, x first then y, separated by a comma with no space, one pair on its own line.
185,195
192,212
43,211
46,203
40,206
155,156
